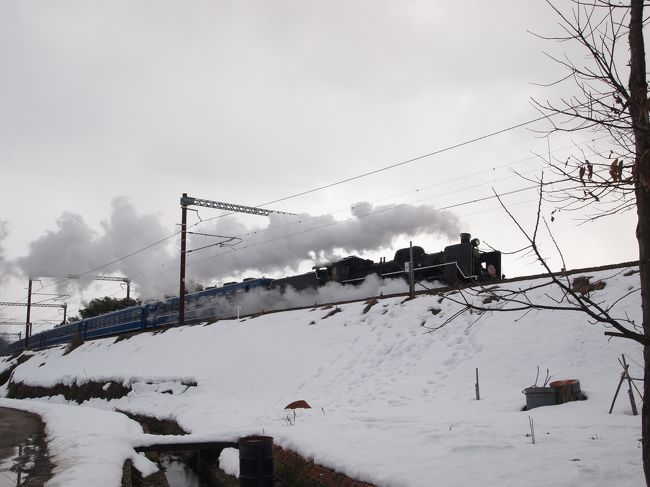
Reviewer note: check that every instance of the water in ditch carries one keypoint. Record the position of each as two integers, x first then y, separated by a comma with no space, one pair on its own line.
179,474
8,476
15,469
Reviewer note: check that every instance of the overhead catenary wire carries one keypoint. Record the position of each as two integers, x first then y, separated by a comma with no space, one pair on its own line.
329,185
409,161
330,224
342,181
382,210
416,190
394,165
389,209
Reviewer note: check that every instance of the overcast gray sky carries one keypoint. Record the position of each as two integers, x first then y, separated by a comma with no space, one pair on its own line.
109,111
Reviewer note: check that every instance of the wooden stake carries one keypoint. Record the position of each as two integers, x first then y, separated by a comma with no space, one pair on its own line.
630,393
626,375
476,387
620,383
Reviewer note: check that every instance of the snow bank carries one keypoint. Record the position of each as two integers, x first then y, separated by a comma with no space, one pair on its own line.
87,444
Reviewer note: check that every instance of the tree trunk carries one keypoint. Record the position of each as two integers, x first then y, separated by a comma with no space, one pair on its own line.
638,107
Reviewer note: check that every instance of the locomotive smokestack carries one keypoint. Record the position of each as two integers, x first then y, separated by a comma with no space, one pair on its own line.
465,237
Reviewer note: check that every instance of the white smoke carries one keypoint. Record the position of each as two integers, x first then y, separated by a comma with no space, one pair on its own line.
260,300
6,267
75,248
278,248
287,241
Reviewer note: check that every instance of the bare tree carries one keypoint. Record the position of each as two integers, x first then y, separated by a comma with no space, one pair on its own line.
603,182
610,98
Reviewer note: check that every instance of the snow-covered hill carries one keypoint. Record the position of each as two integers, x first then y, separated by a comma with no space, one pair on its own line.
392,400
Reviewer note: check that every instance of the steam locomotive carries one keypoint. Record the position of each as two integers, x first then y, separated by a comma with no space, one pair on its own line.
461,262
457,263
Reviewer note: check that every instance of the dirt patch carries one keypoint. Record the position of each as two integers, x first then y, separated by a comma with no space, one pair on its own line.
292,469
490,299
369,304
78,393
4,376
155,426
131,477
333,312
76,342
583,286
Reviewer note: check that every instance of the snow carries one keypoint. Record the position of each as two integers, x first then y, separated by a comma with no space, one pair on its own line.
392,401
87,443
229,461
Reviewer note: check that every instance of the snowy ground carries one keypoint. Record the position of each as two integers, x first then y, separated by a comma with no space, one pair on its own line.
392,403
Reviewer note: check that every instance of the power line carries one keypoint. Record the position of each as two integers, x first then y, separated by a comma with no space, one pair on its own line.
409,161
312,190
401,194
382,210
320,188
392,166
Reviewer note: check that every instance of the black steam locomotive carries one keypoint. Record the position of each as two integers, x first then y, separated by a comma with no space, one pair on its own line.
458,263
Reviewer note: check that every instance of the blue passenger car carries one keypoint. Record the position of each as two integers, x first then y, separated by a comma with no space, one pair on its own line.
198,305
59,334
121,321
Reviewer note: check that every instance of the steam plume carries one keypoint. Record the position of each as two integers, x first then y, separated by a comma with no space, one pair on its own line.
280,247
288,240
6,267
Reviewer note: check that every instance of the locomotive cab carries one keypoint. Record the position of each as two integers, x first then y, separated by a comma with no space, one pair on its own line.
465,262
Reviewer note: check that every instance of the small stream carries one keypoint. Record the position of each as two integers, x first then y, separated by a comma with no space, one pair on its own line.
15,470
8,477
178,473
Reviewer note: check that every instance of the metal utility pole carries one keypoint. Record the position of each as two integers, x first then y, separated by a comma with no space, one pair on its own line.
28,323
181,292
187,201
29,305
411,272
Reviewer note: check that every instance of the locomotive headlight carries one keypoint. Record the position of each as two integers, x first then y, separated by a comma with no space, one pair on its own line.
475,242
